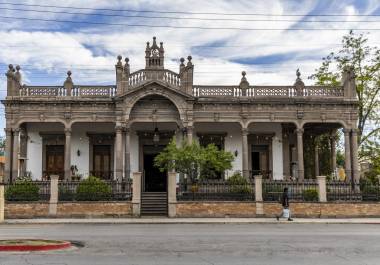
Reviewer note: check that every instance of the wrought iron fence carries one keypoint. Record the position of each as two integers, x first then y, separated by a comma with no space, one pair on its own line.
347,191
106,190
215,190
35,190
306,190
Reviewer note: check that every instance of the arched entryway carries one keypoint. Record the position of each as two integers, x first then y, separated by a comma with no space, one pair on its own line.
154,120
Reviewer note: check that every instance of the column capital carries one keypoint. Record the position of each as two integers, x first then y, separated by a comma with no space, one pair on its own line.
119,128
244,131
346,131
67,131
299,130
8,131
355,131
16,130
126,130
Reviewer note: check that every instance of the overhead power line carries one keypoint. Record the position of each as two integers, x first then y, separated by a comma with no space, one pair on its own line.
187,27
187,18
190,12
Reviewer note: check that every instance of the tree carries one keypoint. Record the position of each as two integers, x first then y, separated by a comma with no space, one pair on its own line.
365,60
192,159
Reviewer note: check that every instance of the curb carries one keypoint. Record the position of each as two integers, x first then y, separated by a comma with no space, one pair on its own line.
189,221
56,246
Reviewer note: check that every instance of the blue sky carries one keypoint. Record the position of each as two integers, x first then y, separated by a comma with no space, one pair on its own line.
45,50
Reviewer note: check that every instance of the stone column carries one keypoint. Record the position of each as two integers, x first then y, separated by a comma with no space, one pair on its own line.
16,146
301,171
259,195
347,156
67,153
333,153
316,159
136,197
190,130
8,155
119,153
172,193
285,155
2,200
127,155
53,195
244,134
322,195
354,153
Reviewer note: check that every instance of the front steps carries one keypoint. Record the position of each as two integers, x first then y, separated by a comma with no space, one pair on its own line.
154,204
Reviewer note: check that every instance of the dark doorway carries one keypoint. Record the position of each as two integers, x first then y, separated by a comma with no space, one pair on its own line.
55,160
260,160
102,161
154,179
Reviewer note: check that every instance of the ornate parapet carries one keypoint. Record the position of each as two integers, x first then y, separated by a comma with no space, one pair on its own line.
61,91
169,77
268,91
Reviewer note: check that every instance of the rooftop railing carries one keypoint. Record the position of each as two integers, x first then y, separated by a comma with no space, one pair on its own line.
267,91
141,76
60,91
138,78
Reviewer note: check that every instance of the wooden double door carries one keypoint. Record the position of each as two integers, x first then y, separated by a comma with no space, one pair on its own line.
55,160
102,161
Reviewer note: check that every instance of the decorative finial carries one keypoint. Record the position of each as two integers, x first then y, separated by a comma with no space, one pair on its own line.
10,66
182,60
69,73
119,57
189,58
18,68
126,60
243,73
298,73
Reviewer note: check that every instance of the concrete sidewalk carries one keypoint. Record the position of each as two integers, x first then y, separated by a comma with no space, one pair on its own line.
164,220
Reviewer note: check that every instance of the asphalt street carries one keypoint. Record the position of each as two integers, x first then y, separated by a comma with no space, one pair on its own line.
108,244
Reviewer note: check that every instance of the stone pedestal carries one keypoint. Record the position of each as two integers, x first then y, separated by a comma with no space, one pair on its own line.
322,194
136,197
53,195
2,200
172,193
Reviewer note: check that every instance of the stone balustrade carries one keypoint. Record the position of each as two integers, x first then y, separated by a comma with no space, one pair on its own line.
60,91
141,76
267,91
173,79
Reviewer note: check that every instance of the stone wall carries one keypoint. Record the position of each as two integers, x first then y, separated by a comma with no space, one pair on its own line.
26,210
194,209
301,209
68,209
216,209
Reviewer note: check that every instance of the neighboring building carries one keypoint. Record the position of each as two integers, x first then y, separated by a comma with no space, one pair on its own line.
111,131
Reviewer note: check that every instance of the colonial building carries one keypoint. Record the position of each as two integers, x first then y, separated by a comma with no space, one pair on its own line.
112,131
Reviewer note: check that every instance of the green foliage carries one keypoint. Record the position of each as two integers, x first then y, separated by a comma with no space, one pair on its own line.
22,191
310,195
365,61
93,189
65,194
239,184
191,159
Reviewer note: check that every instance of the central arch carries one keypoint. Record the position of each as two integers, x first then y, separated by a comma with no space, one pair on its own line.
155,120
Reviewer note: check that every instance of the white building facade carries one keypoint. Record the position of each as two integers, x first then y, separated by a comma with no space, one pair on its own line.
112,131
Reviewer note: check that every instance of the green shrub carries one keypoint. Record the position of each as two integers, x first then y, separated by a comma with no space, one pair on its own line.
93,189
65,194
310,195
22,191
239,184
